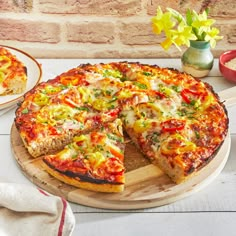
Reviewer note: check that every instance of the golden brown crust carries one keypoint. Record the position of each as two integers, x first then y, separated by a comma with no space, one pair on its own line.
104,187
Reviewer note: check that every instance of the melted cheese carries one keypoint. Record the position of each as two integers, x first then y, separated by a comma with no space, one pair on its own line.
167,107
93,78
128,117
67,153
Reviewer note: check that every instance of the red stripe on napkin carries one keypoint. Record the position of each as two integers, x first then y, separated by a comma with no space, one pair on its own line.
62,217
64,203
41,191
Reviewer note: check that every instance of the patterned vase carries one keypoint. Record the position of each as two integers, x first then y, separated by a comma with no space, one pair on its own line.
197,60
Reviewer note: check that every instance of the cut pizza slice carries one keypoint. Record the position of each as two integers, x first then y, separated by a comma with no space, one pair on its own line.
92,161
180,135
13,73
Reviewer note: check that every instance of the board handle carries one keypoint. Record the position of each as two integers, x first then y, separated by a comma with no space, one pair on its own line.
228,96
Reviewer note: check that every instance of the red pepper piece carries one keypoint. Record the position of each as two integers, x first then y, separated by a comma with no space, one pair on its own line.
113,113
53,130
159,94
173,125
186,94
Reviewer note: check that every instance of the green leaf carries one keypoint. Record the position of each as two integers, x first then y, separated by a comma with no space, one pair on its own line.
189,17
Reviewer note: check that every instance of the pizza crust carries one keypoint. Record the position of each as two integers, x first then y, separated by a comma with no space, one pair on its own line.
104,187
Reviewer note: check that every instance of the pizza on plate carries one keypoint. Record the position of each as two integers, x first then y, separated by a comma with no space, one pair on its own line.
175,120
13,73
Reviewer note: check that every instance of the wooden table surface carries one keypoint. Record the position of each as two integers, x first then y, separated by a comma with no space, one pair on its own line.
211,211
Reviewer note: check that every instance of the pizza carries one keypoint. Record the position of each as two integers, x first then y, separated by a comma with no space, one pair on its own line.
13,73
176,121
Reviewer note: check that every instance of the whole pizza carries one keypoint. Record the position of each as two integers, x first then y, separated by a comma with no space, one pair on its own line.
77,121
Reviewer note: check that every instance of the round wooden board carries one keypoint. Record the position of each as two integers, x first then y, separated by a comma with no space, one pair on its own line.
146,185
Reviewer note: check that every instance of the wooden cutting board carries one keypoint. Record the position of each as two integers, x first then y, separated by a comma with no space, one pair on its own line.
146,185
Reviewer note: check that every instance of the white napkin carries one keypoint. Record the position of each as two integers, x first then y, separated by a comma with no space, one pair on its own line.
27,210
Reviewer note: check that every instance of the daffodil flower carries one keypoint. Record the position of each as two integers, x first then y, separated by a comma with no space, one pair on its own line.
162,22
179,37
212,36
166,43
184,34
202,24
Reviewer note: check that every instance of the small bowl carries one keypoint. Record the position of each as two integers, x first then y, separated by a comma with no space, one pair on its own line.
228,73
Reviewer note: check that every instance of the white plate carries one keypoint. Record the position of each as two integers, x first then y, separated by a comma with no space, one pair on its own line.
34,74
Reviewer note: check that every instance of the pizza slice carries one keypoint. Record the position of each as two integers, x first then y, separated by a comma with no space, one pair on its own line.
13,73
92,161
180,131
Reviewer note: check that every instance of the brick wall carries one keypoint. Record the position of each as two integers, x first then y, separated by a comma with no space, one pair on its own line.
101,28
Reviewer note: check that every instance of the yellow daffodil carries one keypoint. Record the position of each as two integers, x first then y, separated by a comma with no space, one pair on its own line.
166,43
202,25
162,22
184,34
212,36
179,37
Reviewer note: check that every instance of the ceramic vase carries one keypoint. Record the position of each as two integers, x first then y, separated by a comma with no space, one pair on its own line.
197,60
